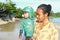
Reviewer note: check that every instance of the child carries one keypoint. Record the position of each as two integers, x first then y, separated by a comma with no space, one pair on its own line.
27,24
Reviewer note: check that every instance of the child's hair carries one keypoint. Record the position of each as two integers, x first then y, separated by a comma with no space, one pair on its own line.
45,8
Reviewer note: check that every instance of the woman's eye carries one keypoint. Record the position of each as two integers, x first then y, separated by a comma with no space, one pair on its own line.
37,14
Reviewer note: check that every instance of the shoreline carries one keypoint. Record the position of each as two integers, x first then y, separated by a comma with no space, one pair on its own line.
5,22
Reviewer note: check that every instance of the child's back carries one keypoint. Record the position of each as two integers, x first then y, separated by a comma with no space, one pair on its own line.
28,27
27,24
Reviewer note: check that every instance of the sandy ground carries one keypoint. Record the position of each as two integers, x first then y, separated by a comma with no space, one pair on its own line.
14,34
5,22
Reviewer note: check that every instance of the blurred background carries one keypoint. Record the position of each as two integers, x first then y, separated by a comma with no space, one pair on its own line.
11,15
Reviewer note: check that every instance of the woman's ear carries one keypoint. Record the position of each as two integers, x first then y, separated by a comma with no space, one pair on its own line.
46,14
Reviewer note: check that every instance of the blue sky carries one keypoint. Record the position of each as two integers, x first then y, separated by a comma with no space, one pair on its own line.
35,3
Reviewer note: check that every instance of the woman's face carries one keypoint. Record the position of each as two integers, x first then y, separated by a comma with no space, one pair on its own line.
40,15
26,15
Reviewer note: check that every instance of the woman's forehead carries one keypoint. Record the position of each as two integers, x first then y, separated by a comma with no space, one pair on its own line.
39,11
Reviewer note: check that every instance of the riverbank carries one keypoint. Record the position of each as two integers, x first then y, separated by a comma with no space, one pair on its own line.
5,22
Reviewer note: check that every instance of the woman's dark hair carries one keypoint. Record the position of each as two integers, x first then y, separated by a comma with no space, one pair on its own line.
45,8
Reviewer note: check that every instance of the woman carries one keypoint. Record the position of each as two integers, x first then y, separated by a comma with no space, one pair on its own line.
44,29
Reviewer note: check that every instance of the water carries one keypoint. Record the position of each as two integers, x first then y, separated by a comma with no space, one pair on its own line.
7,27
10,31
51,19
55,19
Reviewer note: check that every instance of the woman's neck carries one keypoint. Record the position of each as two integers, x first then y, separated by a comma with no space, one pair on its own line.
45,22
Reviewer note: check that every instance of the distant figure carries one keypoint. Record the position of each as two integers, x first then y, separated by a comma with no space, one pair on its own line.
44,29
27,24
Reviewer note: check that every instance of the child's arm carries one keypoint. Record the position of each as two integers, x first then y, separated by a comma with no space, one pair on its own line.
21,30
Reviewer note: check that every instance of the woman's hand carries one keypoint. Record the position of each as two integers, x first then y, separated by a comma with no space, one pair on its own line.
29,39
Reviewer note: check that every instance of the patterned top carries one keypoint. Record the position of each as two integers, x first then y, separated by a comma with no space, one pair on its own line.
49,32
27,25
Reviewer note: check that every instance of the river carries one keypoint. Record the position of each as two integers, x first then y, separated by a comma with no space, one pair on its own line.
10,31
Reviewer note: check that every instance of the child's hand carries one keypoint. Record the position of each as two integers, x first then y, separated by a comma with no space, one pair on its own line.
20,36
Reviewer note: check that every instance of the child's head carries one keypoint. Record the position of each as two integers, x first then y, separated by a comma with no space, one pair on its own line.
28,12
25,15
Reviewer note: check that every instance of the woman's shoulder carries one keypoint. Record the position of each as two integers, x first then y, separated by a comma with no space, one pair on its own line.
53,27
36,24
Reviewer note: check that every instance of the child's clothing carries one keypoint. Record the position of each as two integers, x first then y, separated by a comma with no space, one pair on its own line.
27,24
